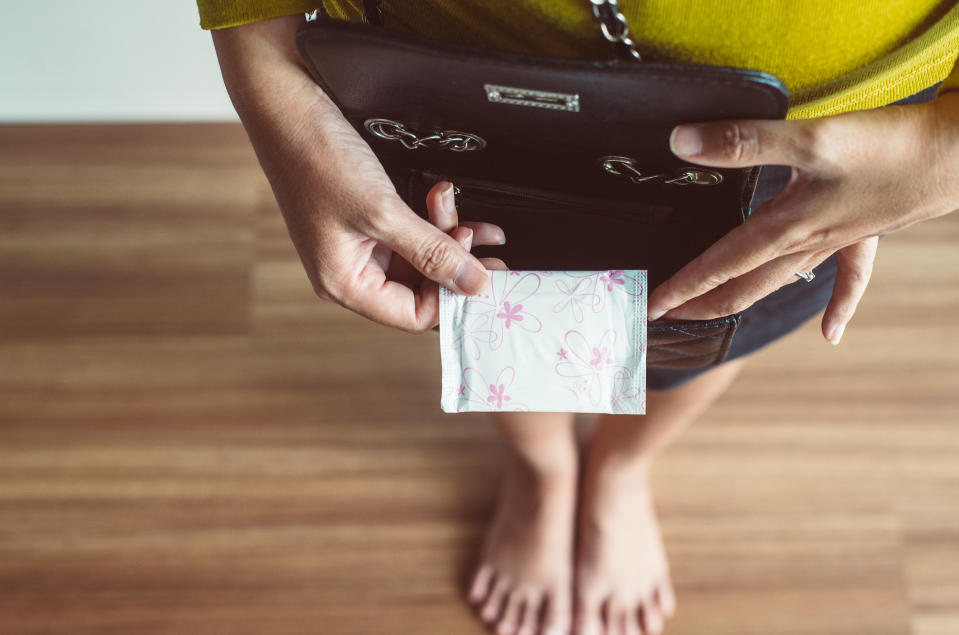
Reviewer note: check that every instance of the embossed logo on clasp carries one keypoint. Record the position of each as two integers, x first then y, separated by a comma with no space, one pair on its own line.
529,97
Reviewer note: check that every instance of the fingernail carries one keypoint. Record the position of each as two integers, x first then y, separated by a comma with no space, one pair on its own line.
502,239
686,141
470,279
655,315
449,205
836,334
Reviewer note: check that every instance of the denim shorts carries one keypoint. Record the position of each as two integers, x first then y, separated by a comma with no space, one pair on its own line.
785,310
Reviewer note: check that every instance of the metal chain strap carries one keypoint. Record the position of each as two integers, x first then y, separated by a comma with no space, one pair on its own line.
614,27
447,140
626,166
371,12
611,22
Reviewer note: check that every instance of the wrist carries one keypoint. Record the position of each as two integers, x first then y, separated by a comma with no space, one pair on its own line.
259,63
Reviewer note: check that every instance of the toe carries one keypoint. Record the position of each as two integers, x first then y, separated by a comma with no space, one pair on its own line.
556,614
493,606
510,620
651,618
666,599
587,621
480,587
628,618
529,622
616,621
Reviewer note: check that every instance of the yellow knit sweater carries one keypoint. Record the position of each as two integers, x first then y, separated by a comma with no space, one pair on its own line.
833,55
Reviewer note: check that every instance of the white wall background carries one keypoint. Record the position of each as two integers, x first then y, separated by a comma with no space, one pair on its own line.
107,60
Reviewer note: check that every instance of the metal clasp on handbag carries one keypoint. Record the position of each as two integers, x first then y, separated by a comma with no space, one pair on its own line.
530,97
447,140
689,175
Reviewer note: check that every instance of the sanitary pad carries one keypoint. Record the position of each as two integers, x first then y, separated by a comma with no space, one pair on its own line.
554,341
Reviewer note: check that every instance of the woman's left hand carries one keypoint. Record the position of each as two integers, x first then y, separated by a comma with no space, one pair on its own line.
854,176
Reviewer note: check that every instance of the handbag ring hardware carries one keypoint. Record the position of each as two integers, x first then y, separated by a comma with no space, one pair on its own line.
447,140
689,175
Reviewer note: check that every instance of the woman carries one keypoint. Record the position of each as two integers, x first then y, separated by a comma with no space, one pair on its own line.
855,167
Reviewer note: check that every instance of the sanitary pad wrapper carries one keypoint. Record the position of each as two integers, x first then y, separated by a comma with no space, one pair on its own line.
551,341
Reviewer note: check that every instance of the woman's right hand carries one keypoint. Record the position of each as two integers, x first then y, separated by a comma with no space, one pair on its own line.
361,245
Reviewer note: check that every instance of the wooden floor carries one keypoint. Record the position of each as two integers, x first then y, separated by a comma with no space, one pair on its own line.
192,443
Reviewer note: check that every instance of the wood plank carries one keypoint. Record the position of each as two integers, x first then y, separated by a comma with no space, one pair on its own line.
191,441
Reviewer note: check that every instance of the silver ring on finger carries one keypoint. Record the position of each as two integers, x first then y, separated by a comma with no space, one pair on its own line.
806,275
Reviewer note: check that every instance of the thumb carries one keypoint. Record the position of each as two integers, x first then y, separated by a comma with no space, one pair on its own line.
435,254
742,143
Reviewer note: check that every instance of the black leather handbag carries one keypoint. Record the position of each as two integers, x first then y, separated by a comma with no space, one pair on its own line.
570,157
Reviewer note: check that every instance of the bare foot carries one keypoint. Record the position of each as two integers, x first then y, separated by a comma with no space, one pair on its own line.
622,575
523,583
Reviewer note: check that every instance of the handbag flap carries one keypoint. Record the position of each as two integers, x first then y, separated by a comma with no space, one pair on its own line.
622,108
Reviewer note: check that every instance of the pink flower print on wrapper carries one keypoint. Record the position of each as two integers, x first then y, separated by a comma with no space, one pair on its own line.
497,395
471,335
489,395
599,286
612,278
510,313
541,273
503,306
623,391
592,365
575,298
600,358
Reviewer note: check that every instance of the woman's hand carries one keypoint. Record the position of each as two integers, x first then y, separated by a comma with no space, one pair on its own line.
854,176
447,220
361,245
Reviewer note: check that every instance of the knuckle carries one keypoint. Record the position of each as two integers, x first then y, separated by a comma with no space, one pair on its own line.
330,287
795,238
740,142
434,258
732,306
324,290
758,230
419,329
320,284
715,280
321,293
376,211
779,227
710,277
418,324
809,145
859,276
844,311
821,236
820,256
